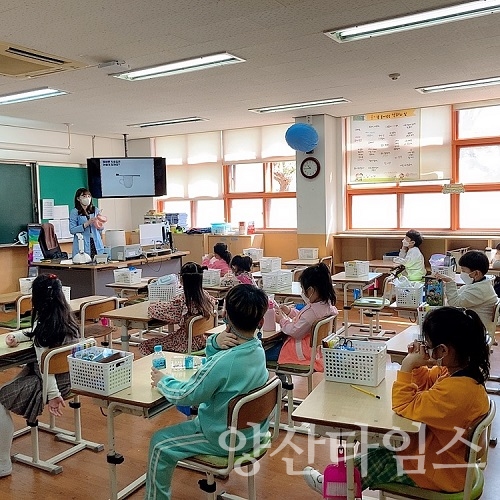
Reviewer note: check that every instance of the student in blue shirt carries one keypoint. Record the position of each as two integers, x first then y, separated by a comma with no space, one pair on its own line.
235,365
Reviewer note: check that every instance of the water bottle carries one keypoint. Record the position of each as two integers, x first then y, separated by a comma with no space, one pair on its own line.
356,293
269,319
159,360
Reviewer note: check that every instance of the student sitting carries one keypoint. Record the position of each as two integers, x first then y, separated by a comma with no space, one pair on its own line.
192,301
495,261
411,257
241,267
53,326
447,397
319,296
235,366
477,293
219,259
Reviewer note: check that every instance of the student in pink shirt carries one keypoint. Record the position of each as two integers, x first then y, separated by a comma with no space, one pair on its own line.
241,266
219,259
319,297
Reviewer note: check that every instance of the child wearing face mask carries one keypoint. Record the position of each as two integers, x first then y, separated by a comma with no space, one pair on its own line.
85,218
411,257
477,293
319,296
441,384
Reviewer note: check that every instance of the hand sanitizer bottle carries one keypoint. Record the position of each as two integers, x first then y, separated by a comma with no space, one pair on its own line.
159,360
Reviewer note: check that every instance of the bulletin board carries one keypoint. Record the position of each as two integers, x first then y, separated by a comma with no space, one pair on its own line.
17,200
61,183
384,147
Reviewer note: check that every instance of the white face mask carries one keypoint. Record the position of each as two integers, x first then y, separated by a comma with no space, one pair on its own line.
405,243
85,200
304,298
466,278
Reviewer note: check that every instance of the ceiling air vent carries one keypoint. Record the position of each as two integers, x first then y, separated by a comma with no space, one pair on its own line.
21,62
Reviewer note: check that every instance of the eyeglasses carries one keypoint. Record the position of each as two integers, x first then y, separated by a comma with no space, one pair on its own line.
429,350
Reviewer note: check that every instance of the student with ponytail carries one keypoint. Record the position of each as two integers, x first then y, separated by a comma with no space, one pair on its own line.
219,259
441,384
53,326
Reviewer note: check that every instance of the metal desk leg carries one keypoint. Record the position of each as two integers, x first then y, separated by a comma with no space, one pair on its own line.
124,336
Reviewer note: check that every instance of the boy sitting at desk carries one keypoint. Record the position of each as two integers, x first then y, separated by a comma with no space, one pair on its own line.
235,365
411,257
477,293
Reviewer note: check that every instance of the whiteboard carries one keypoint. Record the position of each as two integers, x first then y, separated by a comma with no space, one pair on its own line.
384,147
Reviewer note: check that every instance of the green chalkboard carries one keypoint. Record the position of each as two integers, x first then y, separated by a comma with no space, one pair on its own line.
60,184
17,207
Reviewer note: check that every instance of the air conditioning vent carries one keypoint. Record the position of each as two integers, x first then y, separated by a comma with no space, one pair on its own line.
21,62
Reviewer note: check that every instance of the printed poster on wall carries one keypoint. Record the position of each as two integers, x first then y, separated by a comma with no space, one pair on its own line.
384,147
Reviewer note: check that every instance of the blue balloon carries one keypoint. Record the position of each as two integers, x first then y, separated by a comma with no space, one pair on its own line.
302,137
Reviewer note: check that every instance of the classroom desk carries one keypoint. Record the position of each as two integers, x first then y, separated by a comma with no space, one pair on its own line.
397,346
269,335
334,407
133,316
14,356
361,282
75,304
217,291
91,279
122,289
301,262
9,298
141,400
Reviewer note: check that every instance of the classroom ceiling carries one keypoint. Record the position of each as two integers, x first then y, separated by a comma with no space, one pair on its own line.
288,59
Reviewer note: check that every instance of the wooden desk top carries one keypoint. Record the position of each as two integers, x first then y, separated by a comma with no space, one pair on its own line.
114,265
341,278
75,304
5,350
301,262
398,344
130,286
134,312
383,264
337,404
294,291
10,297
141,393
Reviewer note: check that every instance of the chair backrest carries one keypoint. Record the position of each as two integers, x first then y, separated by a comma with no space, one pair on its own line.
49,245
198,325
55,361
24,304
91,311
321,329
297,272
328,261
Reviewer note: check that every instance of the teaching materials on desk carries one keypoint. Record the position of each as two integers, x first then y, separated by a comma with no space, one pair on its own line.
434,291
124,252
356,268
81,257
159,361
408,293
335,478
363,365
364,391
87,373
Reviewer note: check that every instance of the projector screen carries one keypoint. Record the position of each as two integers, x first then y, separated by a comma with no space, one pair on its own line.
126,177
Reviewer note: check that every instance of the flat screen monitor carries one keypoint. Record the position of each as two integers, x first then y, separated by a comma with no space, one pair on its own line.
150,234
127,177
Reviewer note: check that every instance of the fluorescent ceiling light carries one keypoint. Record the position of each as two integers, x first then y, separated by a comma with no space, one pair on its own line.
299,105
173,121
459,12
30,95
484,82
174,68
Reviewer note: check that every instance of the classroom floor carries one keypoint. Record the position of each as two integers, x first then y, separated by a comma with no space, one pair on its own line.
86,474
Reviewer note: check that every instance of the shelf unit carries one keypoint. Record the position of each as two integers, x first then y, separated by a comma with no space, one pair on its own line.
374,246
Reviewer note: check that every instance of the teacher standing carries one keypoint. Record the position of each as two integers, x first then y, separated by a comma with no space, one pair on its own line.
85,219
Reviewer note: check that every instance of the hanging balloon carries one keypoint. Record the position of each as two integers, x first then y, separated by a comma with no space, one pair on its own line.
302,137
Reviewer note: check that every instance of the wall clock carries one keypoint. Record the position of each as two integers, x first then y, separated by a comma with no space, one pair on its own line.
310,167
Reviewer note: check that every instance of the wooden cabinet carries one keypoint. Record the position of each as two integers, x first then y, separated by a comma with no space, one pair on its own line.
374,246
195,244
236,244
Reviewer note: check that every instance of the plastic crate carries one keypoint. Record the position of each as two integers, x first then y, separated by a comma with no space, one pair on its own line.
254,253
211,277
277,280
422,311
25,285
220,228
269,264
446,270
127,276
363,366
308,253
160,292
67,292
356,268
100,377
409,296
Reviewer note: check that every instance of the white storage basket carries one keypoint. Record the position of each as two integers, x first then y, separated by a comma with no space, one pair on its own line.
277,280
25,285
409,296
127,276
100,377
211,277
308,253
356,268
269,264
158,292
67,292
363,366
254,253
